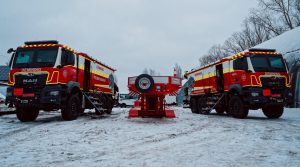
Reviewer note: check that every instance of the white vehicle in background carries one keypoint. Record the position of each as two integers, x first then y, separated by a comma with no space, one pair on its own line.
2,99
171,100
126,100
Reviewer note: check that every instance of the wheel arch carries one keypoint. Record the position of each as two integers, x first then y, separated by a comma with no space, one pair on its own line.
73,88
235,89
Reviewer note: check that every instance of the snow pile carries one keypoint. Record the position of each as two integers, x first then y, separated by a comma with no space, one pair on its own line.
284,43
188,140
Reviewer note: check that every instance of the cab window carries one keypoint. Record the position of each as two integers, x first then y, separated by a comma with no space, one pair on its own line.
67,58
240,64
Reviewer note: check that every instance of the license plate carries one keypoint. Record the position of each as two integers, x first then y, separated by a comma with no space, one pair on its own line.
28,95
24,101
276,95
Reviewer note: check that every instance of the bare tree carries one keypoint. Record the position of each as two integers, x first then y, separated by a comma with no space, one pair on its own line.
145,71
234,44
152,72
270,19
278,15
178,71
296,11
215,53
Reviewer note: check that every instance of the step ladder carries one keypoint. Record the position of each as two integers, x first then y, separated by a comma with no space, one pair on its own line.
96,101
211,103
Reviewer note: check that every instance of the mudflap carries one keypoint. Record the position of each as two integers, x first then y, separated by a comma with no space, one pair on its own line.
133,113
136,112
170,113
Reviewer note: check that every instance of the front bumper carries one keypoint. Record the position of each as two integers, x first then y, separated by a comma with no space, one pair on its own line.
47,97
256,97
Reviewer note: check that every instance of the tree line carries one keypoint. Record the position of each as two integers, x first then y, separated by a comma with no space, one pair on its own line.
270,19
152,72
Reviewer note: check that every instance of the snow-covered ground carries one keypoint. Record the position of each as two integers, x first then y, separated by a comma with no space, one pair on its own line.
188,140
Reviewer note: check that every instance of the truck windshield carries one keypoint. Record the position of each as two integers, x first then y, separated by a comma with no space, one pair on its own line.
35,58
267,63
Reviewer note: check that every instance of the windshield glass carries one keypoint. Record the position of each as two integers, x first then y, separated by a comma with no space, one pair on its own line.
268,63
34,58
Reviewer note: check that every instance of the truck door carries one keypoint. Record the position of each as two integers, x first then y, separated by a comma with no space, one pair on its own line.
87,75
220,78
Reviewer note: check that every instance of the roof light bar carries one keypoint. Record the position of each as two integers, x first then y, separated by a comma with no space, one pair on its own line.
41,42
261,50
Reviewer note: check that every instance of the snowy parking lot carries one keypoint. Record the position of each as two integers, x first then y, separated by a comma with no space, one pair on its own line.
188,140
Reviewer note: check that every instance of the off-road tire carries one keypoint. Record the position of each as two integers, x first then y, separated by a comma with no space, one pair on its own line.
72,108
123,105
194,105
202,103
237,107
273,112
27,114
109,105
139,86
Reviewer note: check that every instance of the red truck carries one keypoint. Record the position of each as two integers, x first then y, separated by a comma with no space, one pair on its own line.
47,75
253,79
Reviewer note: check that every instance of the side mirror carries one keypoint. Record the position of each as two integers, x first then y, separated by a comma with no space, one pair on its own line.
9,51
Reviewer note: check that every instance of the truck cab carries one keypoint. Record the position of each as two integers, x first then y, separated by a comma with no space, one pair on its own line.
261,76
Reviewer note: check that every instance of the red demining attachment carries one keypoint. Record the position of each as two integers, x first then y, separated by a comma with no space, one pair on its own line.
152,91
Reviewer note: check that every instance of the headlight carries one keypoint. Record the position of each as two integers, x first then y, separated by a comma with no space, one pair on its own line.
254,94
54,93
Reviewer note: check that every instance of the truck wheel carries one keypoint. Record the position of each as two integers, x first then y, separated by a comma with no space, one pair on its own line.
109,105
273,112
194,106
144,83
237,108
123,105
221,107
200,105
27,114
72,109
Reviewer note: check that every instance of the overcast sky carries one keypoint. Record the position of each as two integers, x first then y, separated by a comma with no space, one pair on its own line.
128,35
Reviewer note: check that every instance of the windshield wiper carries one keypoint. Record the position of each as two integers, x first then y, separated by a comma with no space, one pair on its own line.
45,64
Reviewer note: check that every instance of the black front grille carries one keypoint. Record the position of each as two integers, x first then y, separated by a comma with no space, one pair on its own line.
273,82
31,80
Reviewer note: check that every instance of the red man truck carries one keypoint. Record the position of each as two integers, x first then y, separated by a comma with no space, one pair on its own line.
47,75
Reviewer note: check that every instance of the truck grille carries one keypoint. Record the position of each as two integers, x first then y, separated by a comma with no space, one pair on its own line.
272,82
31,80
